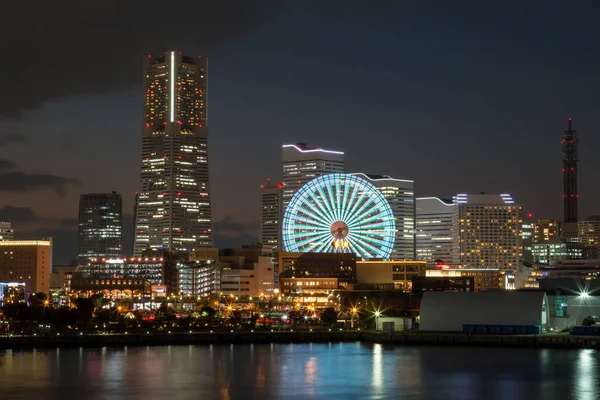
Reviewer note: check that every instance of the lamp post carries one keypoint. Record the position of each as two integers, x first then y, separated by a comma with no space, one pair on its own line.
377,315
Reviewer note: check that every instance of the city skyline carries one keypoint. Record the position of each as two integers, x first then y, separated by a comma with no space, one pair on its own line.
445,104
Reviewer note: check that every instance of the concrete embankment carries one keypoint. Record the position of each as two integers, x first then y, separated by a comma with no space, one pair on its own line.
163,339
462,339
398,338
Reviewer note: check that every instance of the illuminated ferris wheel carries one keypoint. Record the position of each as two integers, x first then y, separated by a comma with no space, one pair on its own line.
339,213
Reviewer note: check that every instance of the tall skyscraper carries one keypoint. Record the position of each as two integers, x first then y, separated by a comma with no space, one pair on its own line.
434,236
302,163
401,197
488,231
173,210
6,231
100,226
570,196
270,215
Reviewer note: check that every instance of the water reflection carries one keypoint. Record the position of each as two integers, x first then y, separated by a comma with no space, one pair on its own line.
586,382
299,371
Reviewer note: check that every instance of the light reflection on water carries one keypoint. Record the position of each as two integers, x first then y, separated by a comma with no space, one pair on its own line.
299,371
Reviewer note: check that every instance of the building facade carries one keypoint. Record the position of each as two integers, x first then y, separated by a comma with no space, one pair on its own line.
545,230
434,238
270,215
6,231
546,253
394,275
302,163
173,210
28,262
100,232
483,278
198,278
317,265
401,197
588,231
488,231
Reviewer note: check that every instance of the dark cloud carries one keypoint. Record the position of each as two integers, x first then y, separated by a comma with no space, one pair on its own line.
76,47
18,215
8,138
229,228
64,242
18,181
228,242
69,223
7,165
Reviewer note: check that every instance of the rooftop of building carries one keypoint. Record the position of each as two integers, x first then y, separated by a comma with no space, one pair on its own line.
25,243
304,148
375,177
484,199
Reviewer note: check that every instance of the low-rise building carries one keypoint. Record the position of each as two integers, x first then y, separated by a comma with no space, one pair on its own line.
483,278
396,275
28,262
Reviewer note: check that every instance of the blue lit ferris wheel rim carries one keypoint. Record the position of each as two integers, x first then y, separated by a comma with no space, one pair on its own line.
345,203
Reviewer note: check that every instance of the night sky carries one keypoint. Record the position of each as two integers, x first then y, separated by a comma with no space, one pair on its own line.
463,96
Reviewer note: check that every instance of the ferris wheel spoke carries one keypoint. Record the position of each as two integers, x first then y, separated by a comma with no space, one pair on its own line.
325,244
360,250
312,220
317,239
362,198
318,208
373,251
327,201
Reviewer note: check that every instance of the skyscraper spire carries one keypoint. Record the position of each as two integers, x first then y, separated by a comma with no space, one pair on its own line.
570,195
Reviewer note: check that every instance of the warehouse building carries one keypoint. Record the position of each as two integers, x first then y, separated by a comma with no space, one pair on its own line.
485,312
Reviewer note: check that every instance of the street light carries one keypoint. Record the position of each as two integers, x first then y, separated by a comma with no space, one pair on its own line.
377,315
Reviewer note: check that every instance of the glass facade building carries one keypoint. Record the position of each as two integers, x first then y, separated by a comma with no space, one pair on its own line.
401,197
6,231
100,233
270,214
434,231
173,207
302,163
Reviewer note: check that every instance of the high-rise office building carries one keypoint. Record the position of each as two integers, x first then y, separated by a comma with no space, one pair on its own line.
434,238
100,226
488,231
588,231
302,163
545,230
173,210
6,231
401,196
270,214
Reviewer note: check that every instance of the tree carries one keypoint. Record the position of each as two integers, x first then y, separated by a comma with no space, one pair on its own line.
38,300
85,307
588,321
329,316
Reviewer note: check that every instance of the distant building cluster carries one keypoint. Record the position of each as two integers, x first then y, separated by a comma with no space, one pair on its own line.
325,232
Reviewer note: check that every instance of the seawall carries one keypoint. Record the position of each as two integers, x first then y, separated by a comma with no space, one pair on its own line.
398,338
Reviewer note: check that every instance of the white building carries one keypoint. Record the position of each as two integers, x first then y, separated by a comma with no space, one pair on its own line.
254,282
434,237
6,231
488,231
401,197
302,163
270,214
